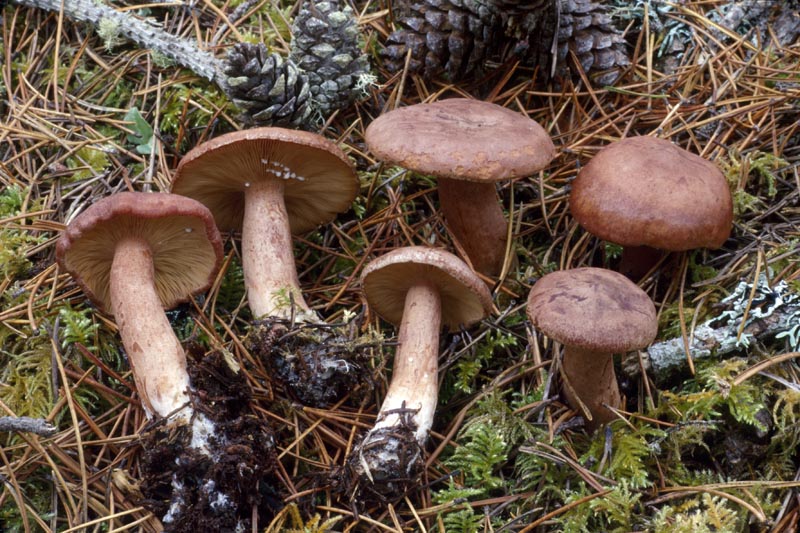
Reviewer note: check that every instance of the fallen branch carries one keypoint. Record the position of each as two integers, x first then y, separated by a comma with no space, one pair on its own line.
773,312
141,31
27,424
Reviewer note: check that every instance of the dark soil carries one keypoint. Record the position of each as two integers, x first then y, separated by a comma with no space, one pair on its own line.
221,490
385,466
317,364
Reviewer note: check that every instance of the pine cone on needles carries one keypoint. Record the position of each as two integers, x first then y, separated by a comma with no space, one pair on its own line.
457,36
452,37
325,46
585,27
269,90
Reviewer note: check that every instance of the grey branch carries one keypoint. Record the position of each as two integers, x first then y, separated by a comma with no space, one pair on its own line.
27,424
774,312
144,33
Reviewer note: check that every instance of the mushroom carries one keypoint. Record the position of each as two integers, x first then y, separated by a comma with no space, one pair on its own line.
594,313
134,255
469,145
420,290
648,192
269,183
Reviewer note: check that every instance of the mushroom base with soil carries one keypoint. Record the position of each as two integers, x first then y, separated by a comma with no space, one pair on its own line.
319,364
386,464
224,486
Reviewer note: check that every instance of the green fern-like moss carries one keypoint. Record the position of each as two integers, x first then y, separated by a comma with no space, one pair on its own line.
25,385
463,521
702,514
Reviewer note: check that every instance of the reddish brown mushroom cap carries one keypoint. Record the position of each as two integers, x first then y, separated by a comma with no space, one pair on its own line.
465,299
319,180
643,191
461,139
186,246
593,309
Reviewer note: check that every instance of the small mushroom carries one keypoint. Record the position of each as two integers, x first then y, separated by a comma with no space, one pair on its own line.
469,145
134,255
269,183
420,290
647,192
594,313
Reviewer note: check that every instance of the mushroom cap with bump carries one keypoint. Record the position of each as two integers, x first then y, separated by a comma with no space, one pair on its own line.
464,297
462,139
319,180
643,191
593,309
185,244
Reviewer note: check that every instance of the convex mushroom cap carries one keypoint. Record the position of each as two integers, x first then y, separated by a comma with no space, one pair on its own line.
186,246
593,309
465,299
318,179
643,191
462,139
469,145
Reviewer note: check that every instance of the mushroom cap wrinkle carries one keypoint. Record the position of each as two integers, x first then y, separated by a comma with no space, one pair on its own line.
465,299
643,191
593,309
319,179
186,245
461,139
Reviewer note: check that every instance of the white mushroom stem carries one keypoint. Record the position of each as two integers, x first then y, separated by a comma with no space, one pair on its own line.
414,384
270,274
474,216
590,376
154,352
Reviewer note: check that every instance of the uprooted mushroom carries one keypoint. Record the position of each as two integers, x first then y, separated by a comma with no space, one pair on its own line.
420,290
270,183
134,255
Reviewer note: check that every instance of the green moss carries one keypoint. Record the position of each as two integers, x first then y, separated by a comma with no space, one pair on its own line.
16,240
25,378
87,163
703,513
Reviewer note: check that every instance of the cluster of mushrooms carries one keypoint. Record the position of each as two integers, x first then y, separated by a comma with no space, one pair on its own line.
135,254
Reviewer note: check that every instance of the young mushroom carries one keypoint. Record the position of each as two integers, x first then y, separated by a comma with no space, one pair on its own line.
469,145
594,313
646,193
420,290
269,183
134,255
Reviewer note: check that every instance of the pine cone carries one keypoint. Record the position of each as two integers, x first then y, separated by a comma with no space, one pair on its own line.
452,37
269,90
456,36
325,46
585,27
